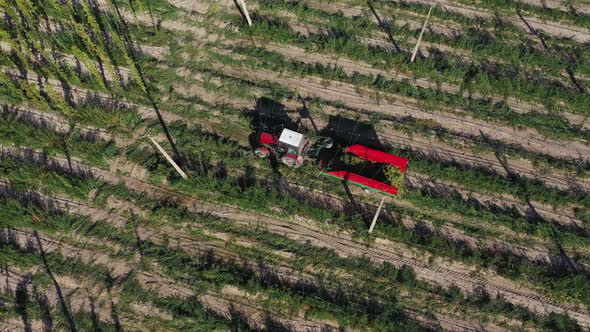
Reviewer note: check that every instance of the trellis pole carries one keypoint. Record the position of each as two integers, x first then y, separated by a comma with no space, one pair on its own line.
176,167
376,215
245,9
420,37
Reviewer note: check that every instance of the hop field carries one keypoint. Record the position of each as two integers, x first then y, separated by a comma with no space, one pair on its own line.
490,230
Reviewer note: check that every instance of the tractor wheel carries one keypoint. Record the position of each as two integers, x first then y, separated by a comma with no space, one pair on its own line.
290,162
262,153
293,163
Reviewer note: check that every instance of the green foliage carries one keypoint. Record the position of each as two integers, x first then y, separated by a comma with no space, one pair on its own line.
560,323
396,178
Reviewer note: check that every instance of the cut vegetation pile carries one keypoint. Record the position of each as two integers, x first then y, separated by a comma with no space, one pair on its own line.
490,230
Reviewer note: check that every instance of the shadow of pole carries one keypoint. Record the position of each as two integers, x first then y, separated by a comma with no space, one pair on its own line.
132,53
62,302
45,310
350,196
137,237
306,114
532,30
385,27
64,146
93,314
115,313
568,58
22,301
564,257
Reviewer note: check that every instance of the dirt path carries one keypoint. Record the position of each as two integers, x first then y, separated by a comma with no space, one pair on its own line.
506,201
415,21
53,121
437,271
424,145
519,106
534,253
440,272
81,95
578,6
452,153
518,166
438,150
79,295
15,324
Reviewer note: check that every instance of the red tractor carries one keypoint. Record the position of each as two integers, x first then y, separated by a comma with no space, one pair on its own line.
291,147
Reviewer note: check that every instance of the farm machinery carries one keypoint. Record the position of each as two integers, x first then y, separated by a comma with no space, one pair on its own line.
368,168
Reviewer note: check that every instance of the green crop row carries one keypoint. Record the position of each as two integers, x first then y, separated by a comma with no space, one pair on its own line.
505,80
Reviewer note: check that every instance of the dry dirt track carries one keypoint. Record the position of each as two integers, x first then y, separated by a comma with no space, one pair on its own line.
439,272
79,297
517,166
538,254
177,239
562,217
520,167
579,7
508,202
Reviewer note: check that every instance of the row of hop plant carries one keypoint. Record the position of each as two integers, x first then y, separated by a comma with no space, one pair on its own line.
25,39
87,46
346,43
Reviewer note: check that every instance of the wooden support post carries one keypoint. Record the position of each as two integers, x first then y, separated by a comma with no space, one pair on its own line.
176,167
420,37
376,215
243,4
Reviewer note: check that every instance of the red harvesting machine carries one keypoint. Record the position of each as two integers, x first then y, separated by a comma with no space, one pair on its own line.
293,148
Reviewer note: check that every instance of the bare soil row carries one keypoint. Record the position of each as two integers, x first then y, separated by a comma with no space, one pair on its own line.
507,202
352,67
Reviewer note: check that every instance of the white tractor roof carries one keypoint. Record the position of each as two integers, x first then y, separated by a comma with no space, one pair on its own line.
292,138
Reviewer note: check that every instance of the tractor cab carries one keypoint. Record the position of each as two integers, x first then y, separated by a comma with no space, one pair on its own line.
290,147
